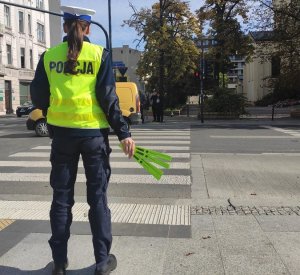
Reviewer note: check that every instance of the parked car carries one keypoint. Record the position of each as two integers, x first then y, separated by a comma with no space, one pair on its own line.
37,122
129,99
24,109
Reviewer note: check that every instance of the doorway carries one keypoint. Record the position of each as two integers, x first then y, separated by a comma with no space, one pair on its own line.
8,97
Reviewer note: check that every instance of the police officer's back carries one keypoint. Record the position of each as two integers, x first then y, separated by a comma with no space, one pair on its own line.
75,88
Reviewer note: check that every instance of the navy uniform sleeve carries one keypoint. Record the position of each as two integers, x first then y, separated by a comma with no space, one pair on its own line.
108,99
39,87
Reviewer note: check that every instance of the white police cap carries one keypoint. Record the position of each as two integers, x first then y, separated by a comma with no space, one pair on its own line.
77,13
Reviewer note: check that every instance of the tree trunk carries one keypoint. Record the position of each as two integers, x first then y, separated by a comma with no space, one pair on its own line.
161,54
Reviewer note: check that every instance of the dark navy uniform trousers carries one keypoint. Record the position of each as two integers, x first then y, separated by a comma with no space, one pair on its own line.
65,153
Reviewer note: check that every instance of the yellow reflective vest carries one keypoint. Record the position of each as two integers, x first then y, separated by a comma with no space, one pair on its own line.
73,102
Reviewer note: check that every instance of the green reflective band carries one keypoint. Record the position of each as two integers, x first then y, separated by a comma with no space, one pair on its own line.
70,120
154,156
146,157
151,169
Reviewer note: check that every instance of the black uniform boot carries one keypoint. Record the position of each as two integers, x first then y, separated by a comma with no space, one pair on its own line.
110,266
60,269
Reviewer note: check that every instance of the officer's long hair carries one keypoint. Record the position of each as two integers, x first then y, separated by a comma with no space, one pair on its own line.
76,30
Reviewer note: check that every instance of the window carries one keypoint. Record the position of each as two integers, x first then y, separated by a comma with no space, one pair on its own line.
7,16
24,92
22,53
40,32
21,21
8,52
40,4
275,63
31,59
29,24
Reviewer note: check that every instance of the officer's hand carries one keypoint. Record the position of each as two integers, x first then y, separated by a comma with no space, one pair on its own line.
128,146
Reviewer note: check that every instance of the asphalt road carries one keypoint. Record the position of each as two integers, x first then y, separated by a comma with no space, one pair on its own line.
182,224
273,148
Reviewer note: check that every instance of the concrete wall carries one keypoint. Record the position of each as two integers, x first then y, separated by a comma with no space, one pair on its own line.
255,84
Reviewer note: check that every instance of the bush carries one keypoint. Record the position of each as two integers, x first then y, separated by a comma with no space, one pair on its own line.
226,101
265,101
285,87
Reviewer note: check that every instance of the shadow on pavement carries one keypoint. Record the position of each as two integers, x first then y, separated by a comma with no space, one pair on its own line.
7,270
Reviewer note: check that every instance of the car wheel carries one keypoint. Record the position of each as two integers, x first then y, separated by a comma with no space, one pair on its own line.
41,129
18,115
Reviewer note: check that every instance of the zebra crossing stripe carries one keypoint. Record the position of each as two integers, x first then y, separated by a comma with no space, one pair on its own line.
113,154
295,133
115,147
144,131
116,179
120,212
164,137
116,142
160,133
113,164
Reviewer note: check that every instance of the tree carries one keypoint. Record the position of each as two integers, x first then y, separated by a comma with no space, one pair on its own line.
170,55
222,18
282,18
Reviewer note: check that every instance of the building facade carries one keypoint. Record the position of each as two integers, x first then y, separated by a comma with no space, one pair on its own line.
236,73
130,57
24,36
258,72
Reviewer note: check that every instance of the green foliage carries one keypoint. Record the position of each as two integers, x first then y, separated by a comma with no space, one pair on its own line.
287,86
170,55
223,19
284,21
226,101
265,101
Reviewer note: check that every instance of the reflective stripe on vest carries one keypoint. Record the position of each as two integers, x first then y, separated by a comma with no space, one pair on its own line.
73,102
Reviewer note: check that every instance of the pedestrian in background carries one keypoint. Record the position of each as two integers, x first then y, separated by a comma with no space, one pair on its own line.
153,100
74,86
160,107
143,105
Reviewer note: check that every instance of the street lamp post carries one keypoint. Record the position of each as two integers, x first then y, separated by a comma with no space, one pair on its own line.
202,71
109,28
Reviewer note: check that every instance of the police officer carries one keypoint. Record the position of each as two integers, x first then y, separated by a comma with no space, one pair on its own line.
75,88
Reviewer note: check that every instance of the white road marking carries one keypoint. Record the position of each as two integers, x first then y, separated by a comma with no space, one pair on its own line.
117,179
114,147
113,154
113,164
294,133
252,137
167,137
252,154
